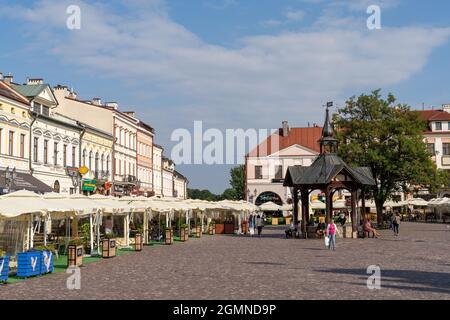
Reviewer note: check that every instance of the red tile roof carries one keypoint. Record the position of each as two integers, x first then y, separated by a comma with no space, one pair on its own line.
305,137
434,115
8,92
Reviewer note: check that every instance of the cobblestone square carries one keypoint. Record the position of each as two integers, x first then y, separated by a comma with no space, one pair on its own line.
415,265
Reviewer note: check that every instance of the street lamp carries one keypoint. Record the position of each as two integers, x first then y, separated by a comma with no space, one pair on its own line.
10,177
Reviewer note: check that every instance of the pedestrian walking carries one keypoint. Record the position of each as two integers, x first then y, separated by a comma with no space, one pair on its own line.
259,225
396,223
251,225
331,234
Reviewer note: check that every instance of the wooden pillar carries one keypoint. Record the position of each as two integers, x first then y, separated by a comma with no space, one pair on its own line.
295,207
74,225
363,205
354,219
329,205
305,209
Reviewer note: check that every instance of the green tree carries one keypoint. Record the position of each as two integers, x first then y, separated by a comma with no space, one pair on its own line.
237,182
386,137
229,194
202,195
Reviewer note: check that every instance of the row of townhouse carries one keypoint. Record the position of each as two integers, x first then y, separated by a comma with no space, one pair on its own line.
50,140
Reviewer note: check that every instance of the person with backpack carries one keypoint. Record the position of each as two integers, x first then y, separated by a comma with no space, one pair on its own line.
396,223
331,234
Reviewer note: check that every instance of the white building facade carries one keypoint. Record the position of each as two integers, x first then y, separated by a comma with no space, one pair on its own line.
267,164
55,140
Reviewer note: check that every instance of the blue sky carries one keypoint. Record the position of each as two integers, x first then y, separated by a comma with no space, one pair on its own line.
230,63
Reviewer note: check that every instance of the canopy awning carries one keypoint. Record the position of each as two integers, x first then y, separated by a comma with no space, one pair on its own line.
24,181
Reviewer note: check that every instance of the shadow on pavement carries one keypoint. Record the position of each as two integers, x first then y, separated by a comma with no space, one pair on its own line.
403,279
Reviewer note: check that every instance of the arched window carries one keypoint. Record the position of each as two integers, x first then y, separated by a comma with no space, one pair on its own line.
90,160
102,162
107,163
56,187
268,196
84,157
97,158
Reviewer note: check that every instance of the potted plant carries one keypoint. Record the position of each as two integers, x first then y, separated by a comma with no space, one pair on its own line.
138,239
4,266
46,261
229,227
184,233
29,263
168,235
75,253
288,220
219,226
212,228
109,246
198,231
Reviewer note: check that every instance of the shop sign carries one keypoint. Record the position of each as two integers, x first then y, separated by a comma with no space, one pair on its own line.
89,185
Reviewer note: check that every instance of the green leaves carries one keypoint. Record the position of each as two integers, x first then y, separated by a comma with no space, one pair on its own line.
387,137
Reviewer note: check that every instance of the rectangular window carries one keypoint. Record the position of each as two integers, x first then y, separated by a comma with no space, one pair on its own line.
11,143
73,156
258,172
278,172
438,126
446,149
45,111
120,167
430,148
55,153
22,146
45,151
65,155
1,138
37,108
35,149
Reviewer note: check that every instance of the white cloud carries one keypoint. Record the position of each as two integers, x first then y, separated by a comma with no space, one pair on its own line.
265,80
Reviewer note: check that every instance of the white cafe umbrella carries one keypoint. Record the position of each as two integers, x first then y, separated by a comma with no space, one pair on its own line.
318,205
269,206
340,204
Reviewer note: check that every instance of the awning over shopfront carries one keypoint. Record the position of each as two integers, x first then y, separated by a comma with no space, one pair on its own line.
23,181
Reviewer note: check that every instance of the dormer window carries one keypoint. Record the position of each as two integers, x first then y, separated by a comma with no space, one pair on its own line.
45,111
37,108
438,126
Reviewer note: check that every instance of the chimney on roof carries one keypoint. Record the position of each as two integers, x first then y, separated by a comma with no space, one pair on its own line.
35,81
446,108
97,101
285,128
9,78
130,113
113,105
60,88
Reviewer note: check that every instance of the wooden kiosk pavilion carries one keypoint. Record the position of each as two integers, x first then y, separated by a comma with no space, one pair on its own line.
328,173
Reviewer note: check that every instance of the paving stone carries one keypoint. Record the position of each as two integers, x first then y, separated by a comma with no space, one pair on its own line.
415,265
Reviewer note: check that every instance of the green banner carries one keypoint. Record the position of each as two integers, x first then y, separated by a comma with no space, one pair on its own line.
89,185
